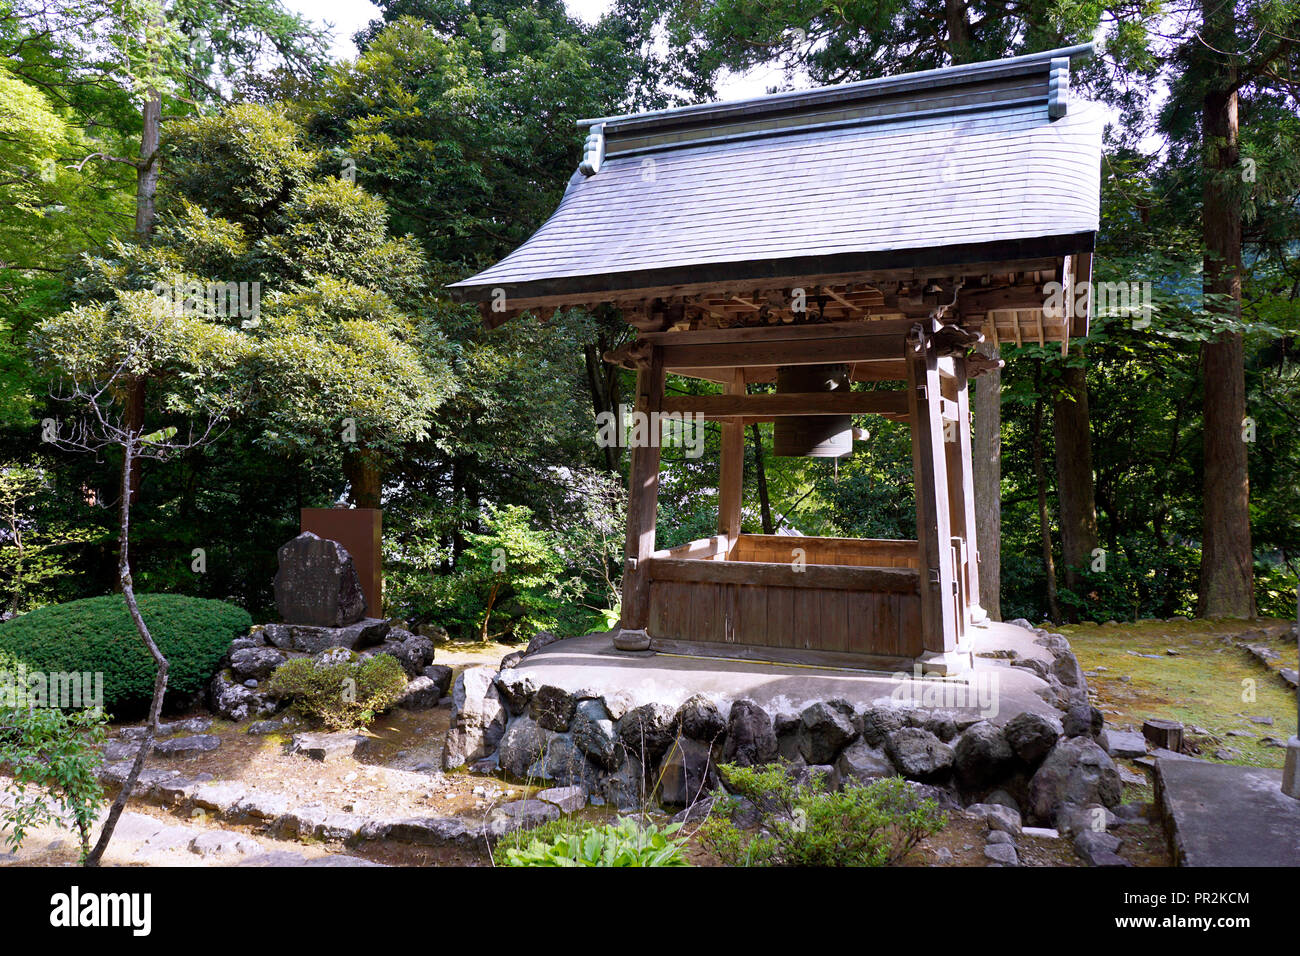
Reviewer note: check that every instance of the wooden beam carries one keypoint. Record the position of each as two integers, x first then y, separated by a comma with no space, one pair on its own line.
819,351
780,333
731,472
776,575
790,403
976,299
967,484
700,549
933,527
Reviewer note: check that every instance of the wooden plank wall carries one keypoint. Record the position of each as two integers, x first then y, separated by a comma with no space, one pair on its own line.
815,619
854,552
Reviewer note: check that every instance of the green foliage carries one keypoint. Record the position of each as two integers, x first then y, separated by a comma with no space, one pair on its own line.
33,553
97,635
342,691
626,843
50,759
873,825
511,565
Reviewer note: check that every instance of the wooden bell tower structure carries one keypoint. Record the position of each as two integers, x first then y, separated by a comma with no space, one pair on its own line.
851,244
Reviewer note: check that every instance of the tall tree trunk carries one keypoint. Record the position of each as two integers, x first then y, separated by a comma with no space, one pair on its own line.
1227,567
602,383
146,187
1074,484
148,166
956,20
986,467
160,678
1040,478
364,472
760,473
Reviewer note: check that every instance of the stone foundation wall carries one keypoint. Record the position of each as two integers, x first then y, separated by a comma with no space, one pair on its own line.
1048,766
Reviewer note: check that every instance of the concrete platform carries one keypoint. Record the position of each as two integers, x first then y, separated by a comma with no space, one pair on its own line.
993,689
1224,815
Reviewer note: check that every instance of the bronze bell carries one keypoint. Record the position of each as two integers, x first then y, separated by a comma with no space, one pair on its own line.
812,436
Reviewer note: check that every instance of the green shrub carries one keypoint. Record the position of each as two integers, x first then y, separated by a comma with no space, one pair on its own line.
625,843
50,760
96,635
341,691
873,825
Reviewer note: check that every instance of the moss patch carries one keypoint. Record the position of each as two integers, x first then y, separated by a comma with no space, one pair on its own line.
1205,683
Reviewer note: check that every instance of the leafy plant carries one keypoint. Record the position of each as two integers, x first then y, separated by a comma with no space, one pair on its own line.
625,843
97,635
876,824
512,568
50,759
341,690
31,551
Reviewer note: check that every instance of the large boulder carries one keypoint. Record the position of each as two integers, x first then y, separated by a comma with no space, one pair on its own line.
624,788
648,730
751,738
230,699
595,735
317,583
1084,720
824,728
919,754
686,773
861,763
309,639
522,745
877,723
255,663
1066,669
700,719
441,675
478,718
564,763
521,815
982,756
420,694
539,640
412,651
1031,735
1076,773
552,707
517,690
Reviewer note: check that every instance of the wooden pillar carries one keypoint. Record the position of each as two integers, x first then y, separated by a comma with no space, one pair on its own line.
731,474
642,508
930,477
952,462
968,490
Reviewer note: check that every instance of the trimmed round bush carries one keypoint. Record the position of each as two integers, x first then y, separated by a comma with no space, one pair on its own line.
97,635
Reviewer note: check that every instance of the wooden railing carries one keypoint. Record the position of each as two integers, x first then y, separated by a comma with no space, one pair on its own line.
855,552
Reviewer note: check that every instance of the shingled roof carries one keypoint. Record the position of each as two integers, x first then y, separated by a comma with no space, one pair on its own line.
977,163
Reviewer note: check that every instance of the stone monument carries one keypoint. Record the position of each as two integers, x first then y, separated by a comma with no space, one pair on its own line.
317,584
